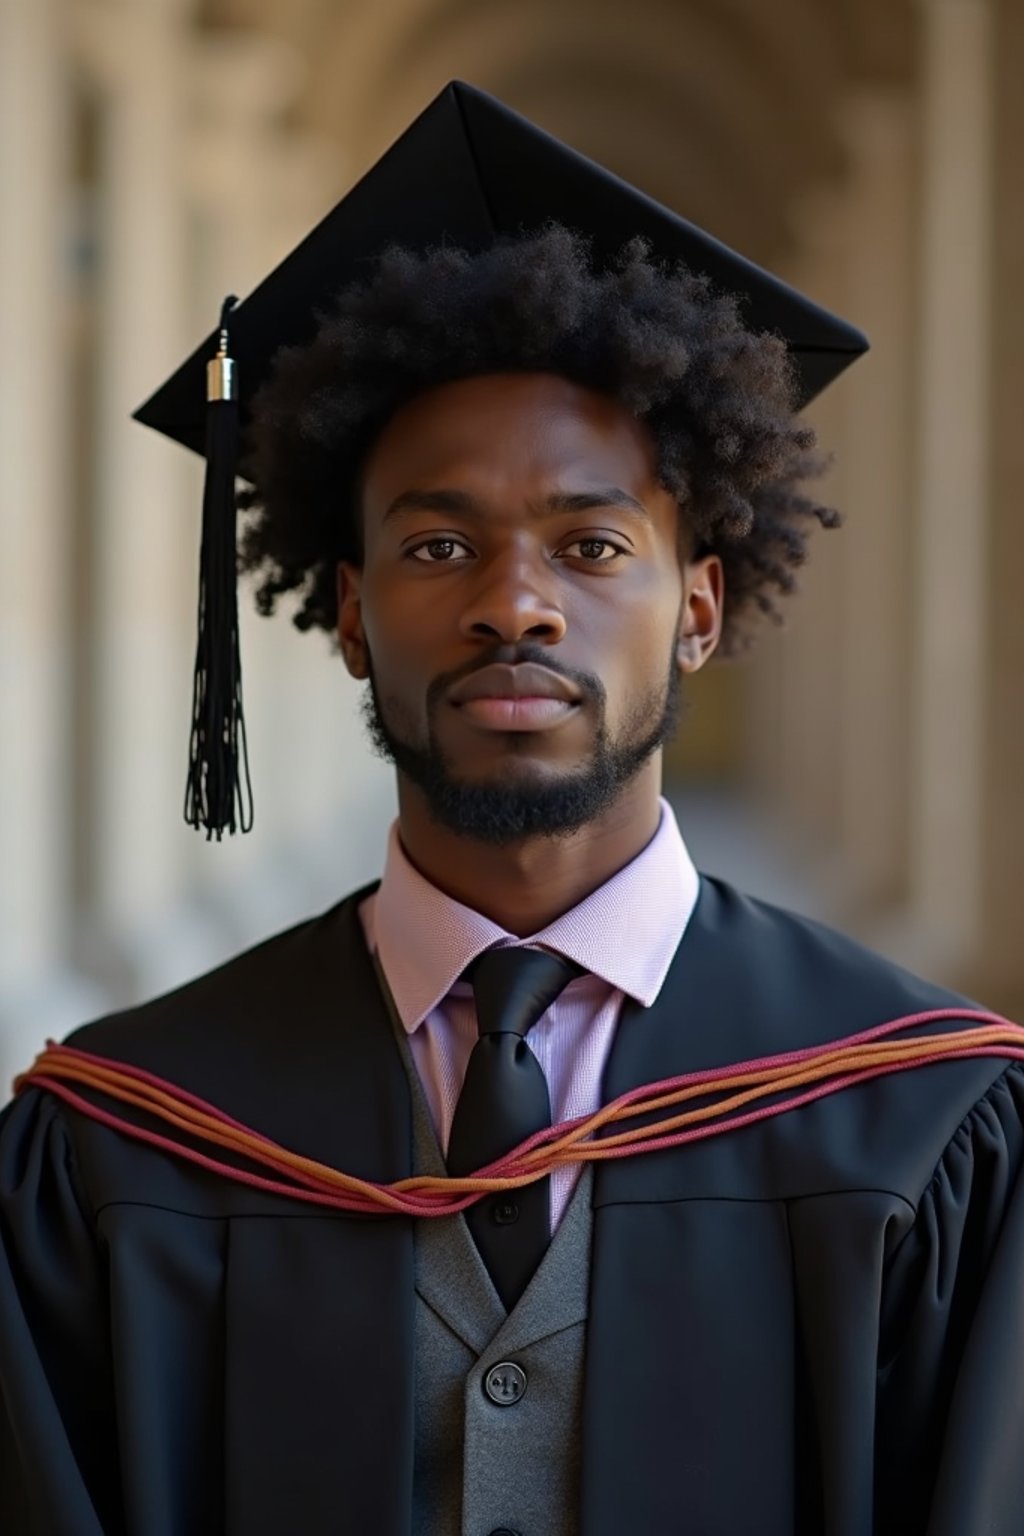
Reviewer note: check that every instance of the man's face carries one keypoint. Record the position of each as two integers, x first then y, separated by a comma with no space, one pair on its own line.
525,609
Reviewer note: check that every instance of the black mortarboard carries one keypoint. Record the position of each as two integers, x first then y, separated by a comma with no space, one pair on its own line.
468,170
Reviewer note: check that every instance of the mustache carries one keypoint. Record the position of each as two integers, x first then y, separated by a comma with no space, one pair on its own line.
589,684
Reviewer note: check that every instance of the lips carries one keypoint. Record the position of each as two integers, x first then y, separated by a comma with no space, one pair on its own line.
523,698
525,681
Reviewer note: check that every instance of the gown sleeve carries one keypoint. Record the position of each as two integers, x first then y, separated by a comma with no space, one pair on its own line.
58,1457
951,1386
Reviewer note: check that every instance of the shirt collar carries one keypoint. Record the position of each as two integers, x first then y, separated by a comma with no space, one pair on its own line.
626,931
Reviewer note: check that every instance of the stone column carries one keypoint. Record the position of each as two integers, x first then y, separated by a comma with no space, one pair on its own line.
998,971
144,560
952,532
874,545
37,995
802,665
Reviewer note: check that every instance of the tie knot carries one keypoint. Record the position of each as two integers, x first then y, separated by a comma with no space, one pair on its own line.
512,988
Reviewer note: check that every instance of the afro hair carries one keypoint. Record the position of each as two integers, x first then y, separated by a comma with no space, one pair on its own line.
718,400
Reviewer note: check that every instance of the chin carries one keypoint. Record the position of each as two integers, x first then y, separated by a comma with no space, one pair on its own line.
513,770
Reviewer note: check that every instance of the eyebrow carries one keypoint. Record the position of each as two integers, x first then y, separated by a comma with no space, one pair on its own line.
464,505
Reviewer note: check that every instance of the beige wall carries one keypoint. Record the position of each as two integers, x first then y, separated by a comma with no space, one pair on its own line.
869,148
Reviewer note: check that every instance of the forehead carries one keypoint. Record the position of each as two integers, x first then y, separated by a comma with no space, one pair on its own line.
500,433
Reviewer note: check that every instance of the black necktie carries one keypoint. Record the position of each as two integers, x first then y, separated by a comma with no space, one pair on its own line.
504,1100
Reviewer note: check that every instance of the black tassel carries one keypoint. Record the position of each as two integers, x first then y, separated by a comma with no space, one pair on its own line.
218,792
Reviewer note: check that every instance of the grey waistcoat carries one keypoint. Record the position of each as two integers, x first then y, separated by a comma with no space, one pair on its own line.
480,1467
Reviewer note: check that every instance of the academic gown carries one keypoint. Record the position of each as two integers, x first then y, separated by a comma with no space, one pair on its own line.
812,1325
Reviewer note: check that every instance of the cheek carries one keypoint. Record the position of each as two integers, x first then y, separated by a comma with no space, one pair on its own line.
399,625
658,615
630,633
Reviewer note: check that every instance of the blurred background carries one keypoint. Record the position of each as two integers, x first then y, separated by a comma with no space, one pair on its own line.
865,764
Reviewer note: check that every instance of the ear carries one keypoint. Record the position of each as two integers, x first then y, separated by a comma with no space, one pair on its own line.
350,619
701,627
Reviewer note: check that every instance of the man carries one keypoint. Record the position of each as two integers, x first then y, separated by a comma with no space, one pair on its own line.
532,492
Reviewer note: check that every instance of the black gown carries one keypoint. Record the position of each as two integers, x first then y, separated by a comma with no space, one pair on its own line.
812,1325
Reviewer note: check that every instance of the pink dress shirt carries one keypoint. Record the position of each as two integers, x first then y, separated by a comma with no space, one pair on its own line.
623,935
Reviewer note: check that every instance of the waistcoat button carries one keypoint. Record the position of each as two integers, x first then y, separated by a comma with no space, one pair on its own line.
505,1212
503,1530
505,1383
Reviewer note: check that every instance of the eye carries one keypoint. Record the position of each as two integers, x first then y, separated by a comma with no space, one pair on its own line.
595,551
437,551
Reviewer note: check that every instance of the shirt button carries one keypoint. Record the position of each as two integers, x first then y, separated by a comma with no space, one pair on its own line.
505,1383
505,1212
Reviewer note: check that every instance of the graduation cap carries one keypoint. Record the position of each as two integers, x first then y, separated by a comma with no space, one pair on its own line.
467,172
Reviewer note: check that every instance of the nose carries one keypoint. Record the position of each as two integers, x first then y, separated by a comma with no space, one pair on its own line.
515,599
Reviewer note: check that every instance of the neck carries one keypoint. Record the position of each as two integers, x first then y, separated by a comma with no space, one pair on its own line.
524,886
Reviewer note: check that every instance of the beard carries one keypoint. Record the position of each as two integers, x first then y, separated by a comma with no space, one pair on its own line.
503,812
